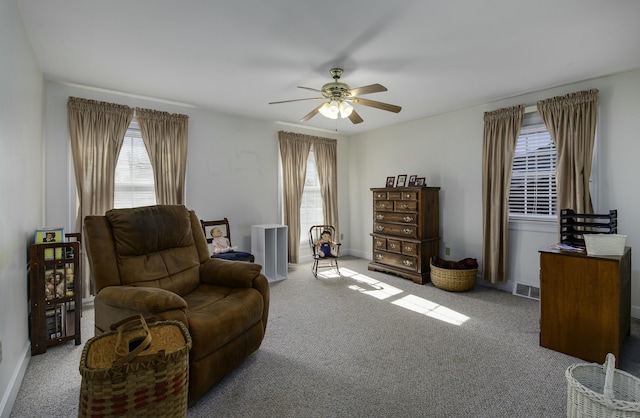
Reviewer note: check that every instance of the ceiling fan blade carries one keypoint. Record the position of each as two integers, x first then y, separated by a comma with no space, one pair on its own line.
298,100
310,88
354,117
379,105
311,114
373,88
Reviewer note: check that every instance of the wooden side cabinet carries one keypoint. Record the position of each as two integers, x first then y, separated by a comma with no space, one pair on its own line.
585,303
55,297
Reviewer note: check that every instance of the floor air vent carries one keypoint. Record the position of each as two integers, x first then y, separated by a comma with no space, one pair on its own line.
527,291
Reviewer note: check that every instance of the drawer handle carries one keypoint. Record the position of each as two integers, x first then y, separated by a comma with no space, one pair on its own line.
393,245
405,206
383,205
378,243
379,216
408,196
408,249
380,228
379,195
408,231
379,256
407,263
407,219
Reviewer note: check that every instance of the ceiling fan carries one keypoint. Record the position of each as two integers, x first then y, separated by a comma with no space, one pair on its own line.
340,99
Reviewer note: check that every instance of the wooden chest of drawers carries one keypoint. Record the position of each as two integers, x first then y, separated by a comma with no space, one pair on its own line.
406,228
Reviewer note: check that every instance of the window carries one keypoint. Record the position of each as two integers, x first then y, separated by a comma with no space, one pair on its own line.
533,180
134,185
311,206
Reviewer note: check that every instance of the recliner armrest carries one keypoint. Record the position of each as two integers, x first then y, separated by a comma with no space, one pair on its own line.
144,299
229,273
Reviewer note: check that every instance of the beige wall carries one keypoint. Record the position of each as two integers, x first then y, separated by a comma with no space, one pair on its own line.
232,162
21,210
447,150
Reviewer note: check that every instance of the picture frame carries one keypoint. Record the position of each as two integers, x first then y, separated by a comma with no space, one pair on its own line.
391,181
420,181
402,179
49,235
412,180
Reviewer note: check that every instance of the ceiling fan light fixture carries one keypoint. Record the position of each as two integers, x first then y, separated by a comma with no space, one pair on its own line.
345,109
330,109
341,98
334,107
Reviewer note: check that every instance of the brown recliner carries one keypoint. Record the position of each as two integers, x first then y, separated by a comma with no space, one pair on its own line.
154,261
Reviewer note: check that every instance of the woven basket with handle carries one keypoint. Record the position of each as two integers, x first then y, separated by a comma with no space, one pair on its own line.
601,390
137,369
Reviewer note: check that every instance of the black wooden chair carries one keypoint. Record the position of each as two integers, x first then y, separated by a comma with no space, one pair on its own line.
326,259
223,225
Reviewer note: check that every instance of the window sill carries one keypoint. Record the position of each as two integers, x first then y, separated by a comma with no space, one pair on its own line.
527,223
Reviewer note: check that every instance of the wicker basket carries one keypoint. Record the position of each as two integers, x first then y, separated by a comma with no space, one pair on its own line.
605,244
453,280
596,390
137,370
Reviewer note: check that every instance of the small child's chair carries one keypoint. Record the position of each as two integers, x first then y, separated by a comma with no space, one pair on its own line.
325,250
223,225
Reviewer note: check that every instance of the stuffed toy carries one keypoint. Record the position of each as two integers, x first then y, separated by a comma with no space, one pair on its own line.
326,247
220,244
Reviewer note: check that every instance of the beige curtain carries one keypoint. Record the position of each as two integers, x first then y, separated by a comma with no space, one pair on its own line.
96,130
501,130
571,121
325,151
294,151
165,137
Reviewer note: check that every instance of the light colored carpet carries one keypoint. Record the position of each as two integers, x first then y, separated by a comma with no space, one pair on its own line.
366,344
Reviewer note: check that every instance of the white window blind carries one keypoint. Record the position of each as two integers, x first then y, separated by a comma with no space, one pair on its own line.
533,179
311,206
134,185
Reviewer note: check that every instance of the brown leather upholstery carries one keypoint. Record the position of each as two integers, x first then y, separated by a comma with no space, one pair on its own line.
154,261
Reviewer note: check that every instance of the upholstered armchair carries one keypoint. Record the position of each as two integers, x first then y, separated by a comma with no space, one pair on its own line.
155,261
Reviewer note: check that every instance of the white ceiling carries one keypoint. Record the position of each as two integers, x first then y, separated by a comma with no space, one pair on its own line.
236,56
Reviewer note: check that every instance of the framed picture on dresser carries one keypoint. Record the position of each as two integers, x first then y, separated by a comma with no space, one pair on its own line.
402,179
412,180
391,181
420,181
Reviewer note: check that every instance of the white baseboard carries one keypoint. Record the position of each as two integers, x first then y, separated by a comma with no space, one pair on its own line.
10,395
360,254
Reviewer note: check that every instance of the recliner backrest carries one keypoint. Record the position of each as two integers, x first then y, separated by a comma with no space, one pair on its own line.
151,246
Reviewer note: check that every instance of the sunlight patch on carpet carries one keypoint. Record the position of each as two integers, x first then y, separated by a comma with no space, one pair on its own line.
370,286
381,291
431,309
329,274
